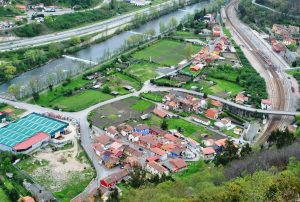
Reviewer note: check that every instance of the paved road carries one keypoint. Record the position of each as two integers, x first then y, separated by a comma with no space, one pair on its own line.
106,25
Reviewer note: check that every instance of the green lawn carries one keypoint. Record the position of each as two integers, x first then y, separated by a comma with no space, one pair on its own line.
193,167
156,97
164,52
189,129
145,70
184,34
81,100
223,86
76,185
142,105
116,82
200,84
187,71
29,166
3,196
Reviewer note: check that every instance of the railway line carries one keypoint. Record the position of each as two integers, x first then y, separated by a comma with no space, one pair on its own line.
276,90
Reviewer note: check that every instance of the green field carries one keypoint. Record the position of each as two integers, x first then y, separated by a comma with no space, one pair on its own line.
3,196
81,100
156,97
223,86
141,105
145,71
184,34
16,111
189,129
164,52
117,81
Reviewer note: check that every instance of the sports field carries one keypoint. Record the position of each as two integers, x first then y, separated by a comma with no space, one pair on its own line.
164,52
145,70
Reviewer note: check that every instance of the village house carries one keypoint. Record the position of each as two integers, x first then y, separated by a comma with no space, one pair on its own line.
192,143
173,149
175,165
216,103
132,161
149,141
172,105
241,98
160,153
237,131
156,168
26,199
208,153
209,142
216,30
224,123
201,120
112,132
129,151
266,104
160,113
154,130
113,179
142,128
212,113
125,129
219,144
134,137
104,141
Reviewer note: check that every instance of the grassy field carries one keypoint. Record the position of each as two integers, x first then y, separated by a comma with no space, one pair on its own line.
200,84
3,196
145,71
81,100
76,102
141,105
189,129
156,97
163,52
223,86
117,81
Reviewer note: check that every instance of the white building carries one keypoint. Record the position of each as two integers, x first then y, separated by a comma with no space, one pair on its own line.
156,169
266,104
198,119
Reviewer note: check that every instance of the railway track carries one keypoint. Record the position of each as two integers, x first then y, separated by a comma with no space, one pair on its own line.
277,92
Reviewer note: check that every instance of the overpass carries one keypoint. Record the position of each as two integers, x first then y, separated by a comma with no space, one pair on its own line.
230,103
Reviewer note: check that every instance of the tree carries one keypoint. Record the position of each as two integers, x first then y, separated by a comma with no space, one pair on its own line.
164,125
228,154
54,51
173,23
188,50
10,71
281,138
162,28
137,176
246,150
106,89
14,90
114,196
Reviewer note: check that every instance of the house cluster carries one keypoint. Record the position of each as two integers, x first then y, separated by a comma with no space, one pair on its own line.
210,53
211,147
208,110
283,36
160,152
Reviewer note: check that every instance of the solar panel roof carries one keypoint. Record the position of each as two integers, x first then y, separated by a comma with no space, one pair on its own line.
26,127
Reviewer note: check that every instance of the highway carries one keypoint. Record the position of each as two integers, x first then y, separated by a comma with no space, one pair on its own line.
103,26
260,55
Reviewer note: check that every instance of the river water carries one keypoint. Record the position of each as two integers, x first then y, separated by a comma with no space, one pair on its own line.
95,52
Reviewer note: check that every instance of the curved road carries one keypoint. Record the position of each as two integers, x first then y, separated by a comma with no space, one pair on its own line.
102,26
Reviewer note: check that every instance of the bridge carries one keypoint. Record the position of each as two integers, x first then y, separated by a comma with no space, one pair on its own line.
230,103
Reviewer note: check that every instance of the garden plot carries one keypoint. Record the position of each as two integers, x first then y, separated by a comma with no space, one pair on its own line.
119,112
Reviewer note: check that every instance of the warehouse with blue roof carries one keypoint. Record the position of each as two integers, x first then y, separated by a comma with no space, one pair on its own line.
30,132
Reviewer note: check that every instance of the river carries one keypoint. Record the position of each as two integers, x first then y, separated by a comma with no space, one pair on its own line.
95,52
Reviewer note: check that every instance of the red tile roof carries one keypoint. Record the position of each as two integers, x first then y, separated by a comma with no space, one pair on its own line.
160,113
208,150
152,158
158,151
31,141
178,163
102,139
221,142
157,166
212,113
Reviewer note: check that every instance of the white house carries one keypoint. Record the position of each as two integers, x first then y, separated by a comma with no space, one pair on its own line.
198,119
208,153
156,169
266,104
224,123
134,137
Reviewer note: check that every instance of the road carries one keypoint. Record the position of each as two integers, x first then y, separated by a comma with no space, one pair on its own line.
259,53
103,26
